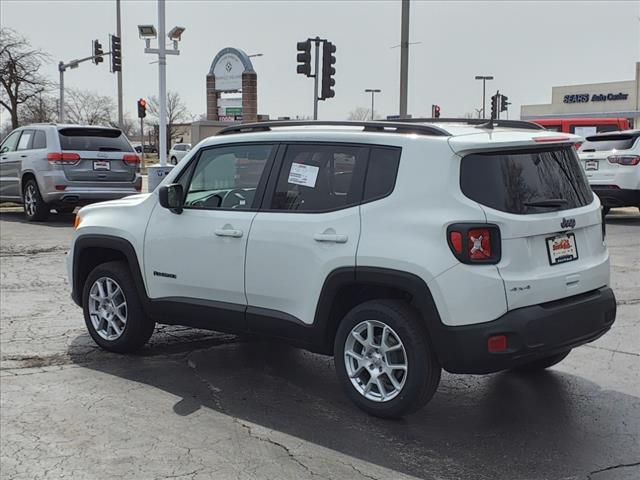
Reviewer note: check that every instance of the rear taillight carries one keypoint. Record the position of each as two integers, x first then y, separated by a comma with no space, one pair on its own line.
131,159
624,159
474,243
57,158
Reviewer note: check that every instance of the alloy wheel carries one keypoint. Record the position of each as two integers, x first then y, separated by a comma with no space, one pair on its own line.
376,360
107,308
30,200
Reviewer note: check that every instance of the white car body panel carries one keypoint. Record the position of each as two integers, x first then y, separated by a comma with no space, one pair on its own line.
624,176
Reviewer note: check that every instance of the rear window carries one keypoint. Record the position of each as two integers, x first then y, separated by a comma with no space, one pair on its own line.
523,182
600,143
94,140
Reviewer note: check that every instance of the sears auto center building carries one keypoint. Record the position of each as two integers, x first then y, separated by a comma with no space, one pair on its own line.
597,100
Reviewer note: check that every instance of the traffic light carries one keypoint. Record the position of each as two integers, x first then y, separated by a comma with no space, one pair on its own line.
494,105
116,54
97,52
142,108
435,111
328,59
504,104
304,58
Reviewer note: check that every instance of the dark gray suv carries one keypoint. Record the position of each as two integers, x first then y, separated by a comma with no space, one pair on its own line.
49,166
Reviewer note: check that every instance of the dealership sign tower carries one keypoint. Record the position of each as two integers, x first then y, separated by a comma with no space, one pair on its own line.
232,83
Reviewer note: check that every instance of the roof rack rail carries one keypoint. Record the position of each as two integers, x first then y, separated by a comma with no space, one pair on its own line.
480,121
377,126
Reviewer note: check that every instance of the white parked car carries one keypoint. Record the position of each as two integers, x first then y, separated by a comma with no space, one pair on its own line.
399,248
612,164
178,151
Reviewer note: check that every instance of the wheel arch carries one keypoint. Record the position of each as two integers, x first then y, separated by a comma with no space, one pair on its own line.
92,250
345,288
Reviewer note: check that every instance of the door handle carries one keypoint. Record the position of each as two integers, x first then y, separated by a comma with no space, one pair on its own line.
228,232
330,237
23,156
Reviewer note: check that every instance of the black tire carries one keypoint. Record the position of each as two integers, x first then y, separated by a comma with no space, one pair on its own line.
423,373
542,363
174,160
38,211
138,327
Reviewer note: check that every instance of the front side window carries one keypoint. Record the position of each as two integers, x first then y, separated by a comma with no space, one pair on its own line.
316,177
227,177
9,144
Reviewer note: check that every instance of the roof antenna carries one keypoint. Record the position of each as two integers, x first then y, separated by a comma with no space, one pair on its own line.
494,109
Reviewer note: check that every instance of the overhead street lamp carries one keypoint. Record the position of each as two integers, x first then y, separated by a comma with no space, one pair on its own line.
148,32
372,91
484,79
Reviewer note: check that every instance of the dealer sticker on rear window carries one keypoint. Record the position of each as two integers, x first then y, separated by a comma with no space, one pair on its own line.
304,175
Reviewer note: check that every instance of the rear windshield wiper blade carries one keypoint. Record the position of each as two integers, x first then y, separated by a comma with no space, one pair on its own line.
109,149
547,202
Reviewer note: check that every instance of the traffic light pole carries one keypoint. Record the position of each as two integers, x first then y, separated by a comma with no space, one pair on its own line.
62,67
119,35
316,78
142,140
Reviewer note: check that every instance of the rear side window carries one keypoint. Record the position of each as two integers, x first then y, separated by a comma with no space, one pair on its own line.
94,140
600,143
524,182
381,173
25,140
39,140
316,177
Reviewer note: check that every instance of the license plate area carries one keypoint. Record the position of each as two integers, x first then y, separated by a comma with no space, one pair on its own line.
562,248
101,165
591,165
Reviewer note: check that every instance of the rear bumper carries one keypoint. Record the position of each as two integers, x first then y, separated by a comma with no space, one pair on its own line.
610,196
82,193
532,332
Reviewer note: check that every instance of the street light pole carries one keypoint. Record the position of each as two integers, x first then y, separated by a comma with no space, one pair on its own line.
404,58
61,68
162,74
373,91
484,79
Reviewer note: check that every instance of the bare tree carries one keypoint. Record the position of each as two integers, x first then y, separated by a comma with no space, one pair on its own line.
19,72
359,113
130,127
177,113
88,108
40,109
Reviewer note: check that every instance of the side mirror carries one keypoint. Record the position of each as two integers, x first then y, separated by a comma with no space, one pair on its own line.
172,197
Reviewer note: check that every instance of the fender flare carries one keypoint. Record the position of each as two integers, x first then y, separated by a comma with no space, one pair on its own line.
110,242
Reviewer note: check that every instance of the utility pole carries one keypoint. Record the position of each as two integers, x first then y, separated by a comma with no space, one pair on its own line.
119,35
316,78
484,79
373,91
404,58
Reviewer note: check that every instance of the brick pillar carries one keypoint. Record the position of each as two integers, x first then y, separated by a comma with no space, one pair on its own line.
249,97
212,98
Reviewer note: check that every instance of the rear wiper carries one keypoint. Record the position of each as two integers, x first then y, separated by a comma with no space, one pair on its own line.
548,202
588,150
109,149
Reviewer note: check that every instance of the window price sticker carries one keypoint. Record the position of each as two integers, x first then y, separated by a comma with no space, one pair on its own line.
305,175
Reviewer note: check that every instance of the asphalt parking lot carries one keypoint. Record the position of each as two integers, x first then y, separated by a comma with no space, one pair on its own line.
199,405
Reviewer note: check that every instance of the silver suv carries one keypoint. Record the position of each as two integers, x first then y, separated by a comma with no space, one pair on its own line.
49,166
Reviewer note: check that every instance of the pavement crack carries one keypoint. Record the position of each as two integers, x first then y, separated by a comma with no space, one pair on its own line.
613,467
613,350
292,456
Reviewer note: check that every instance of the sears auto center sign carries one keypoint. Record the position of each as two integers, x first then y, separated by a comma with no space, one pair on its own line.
595,97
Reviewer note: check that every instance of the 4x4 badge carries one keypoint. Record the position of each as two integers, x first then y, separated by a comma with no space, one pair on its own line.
568,223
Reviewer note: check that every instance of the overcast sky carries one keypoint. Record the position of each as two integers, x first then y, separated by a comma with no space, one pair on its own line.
528,46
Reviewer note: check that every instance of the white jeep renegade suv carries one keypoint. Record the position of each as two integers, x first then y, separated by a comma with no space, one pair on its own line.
399,248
